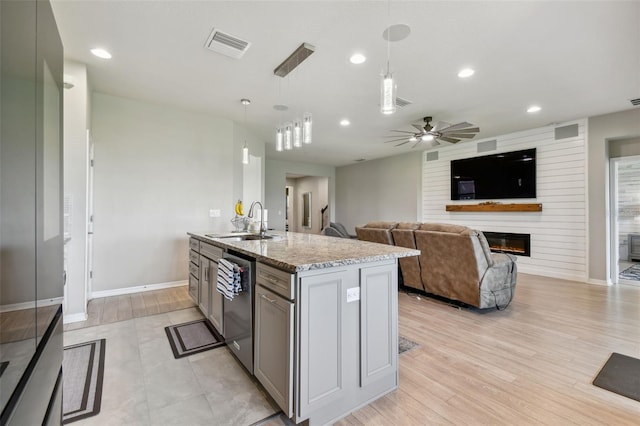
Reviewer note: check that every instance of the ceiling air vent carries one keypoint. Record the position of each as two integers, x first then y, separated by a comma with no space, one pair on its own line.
227,44
635,102
401,102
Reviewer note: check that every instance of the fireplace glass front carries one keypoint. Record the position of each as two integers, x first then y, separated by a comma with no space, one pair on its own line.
505,242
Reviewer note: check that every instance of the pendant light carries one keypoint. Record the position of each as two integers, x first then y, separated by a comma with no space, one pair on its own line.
387,84
297,133
307,125
245,149
287,136
279,137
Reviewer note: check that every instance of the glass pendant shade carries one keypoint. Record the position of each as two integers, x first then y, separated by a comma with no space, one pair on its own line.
307,125
297,134
287,137
279,144
245,154
388,94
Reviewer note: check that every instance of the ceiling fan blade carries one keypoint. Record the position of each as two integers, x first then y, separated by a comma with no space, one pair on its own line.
403,131
416,144
460,135
440,125
402,143
396,140
419,127
467,130
456,126
450,140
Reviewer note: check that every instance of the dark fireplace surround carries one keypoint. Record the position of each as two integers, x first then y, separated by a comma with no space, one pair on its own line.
505,242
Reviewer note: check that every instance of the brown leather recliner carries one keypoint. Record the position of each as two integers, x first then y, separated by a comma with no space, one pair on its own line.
376,232
403,236
457,263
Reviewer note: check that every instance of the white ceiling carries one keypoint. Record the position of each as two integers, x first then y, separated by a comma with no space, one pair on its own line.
574,59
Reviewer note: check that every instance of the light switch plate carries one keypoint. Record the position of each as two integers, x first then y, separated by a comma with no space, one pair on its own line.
214,213
353,294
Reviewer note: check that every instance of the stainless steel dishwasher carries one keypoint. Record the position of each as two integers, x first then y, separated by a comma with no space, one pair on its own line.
238,313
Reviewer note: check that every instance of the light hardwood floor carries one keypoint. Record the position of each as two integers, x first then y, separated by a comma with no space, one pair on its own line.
530,364
107,310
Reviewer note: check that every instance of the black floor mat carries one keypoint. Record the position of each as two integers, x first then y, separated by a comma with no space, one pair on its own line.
621,375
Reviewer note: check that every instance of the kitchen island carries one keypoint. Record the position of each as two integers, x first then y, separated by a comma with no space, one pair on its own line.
325,317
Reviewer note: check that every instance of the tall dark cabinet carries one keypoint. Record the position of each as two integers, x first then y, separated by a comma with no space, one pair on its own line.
31,233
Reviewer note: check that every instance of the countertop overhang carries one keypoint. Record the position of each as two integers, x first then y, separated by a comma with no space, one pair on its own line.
296,252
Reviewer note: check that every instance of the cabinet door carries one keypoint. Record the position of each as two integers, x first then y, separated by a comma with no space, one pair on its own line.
193,288
203,296
322,337
378,322
274,347
216,300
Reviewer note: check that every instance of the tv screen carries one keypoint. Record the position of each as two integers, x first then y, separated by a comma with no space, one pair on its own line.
496,176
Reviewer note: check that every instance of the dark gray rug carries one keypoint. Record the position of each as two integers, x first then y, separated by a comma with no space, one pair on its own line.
405,344
621,375
631,273
193,337
82,375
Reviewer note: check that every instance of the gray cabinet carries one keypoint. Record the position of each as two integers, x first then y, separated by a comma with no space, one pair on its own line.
274,346
347,331
203,277
205,285
216,300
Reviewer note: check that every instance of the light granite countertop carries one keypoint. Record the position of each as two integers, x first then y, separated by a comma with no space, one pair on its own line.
295,252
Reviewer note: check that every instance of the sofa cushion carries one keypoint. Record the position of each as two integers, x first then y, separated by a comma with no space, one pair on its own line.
340,228
381,225
408,225
446,227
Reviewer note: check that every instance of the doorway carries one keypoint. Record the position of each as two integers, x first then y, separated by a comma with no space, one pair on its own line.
625,224
306,203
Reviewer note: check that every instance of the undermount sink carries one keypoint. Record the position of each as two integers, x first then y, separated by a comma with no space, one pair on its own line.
248,237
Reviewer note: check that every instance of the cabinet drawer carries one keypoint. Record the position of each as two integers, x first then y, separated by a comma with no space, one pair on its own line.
211,251
194,256
275,280
193,269
194,244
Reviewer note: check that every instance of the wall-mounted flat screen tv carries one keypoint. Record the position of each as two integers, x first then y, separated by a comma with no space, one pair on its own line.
496,176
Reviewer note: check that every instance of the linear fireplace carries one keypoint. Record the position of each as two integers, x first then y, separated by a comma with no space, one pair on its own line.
505,242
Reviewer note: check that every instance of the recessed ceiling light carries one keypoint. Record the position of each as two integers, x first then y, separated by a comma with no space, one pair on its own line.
357,58
465,73
344,122
101,53
533,108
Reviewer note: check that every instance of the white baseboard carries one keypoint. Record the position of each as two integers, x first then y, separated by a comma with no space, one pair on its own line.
137,289
75,318
598,282
533,270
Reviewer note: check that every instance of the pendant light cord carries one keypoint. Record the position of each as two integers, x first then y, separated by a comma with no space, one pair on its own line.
388,35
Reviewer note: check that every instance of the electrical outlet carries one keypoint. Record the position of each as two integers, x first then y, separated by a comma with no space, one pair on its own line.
353,294
214,213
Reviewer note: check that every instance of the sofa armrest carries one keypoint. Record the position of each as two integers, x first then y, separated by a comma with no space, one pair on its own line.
498,283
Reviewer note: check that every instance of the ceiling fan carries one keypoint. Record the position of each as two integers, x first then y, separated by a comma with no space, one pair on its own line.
433,135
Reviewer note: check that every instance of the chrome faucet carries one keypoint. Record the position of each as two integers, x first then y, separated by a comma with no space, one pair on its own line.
263,230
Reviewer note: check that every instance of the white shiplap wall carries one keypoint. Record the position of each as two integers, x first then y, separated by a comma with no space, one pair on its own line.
559,232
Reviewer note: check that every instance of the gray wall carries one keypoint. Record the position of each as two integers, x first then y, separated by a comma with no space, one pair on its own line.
158,171
624,147
384,189
603,129
76,123
275,182
319,189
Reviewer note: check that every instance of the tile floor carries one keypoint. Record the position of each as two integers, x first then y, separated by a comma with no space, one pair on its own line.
145,385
